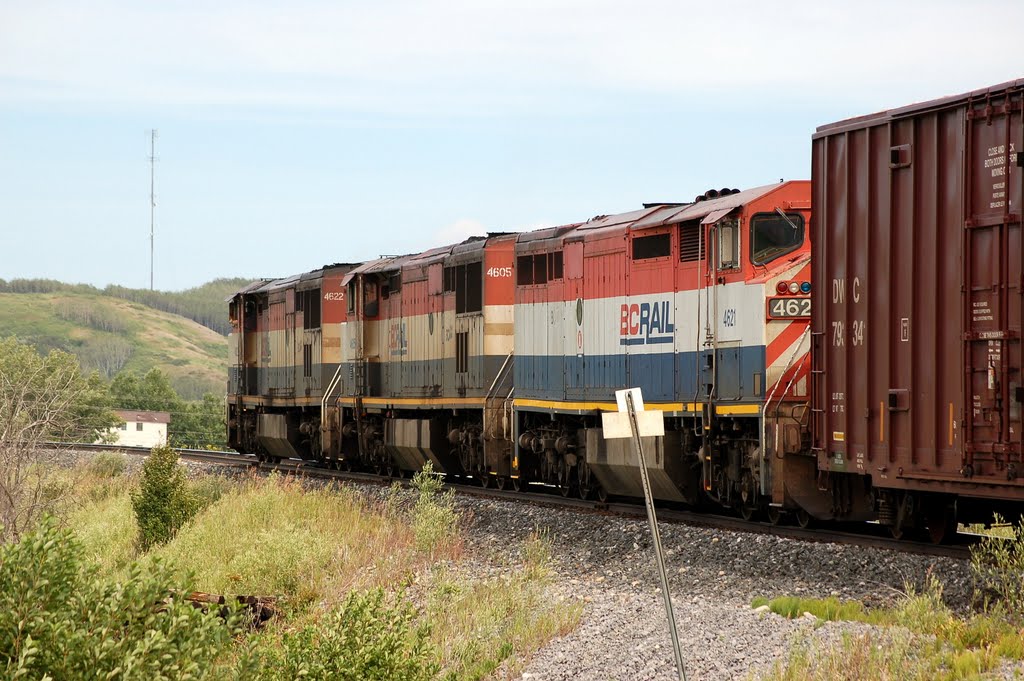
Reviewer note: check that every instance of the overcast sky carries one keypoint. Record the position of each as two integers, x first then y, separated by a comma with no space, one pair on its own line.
294,135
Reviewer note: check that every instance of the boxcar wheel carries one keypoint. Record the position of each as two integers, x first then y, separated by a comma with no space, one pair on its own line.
485,480
774,515
940,521
499,482
804,519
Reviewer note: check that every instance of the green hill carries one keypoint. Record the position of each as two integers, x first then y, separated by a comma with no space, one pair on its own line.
203,304
111,334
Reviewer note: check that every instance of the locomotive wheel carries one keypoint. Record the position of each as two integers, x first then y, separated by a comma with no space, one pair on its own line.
584,483
774,515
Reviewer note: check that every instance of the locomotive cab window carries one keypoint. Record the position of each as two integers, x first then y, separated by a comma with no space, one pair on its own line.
654,246
773,235
728,244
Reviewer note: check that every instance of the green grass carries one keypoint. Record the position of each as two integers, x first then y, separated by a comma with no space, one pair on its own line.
313,548
481,624
931,641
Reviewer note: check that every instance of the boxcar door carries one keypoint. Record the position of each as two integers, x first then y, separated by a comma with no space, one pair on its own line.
993,296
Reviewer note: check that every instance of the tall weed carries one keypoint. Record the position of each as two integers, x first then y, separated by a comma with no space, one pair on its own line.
998,567
435,520
369,638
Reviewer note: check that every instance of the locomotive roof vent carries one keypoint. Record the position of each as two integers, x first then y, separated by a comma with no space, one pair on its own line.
659,204
715,193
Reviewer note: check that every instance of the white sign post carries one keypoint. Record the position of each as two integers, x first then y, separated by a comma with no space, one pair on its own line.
632,421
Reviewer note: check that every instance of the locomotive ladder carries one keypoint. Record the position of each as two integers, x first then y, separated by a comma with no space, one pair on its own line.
359,379
818,390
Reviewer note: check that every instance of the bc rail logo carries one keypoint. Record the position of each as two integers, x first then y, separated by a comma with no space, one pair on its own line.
646,323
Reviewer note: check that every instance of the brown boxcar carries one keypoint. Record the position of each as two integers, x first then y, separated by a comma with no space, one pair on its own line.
916,240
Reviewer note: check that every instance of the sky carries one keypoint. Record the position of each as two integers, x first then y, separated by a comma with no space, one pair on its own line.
293,135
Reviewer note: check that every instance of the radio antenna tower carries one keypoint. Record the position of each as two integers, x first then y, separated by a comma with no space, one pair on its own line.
152,200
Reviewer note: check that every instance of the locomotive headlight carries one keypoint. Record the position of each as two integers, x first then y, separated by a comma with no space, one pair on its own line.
794,287
782,287
805,287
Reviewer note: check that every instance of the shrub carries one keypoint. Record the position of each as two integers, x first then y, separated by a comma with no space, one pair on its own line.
107,465
164,501
59,620
368,639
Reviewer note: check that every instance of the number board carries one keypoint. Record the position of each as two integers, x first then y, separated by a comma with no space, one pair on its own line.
789,308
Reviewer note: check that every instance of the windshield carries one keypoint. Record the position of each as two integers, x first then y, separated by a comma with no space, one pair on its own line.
772,235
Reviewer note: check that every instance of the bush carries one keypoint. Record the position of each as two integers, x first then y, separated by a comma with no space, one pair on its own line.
107,465
59,620
164,502
366,639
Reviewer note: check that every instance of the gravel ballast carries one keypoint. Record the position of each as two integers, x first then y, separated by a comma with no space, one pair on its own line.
608,563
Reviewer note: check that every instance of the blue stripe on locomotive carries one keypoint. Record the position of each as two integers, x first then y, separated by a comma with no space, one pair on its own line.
664,377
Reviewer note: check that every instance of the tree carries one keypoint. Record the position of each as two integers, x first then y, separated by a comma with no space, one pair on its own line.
201,424
150,392
42,399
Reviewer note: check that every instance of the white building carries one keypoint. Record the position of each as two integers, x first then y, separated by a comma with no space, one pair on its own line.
141,428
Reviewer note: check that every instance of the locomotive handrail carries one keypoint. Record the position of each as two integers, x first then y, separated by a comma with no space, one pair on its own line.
335,380
501,373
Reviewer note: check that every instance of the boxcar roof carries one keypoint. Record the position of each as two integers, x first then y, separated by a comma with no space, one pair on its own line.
881,117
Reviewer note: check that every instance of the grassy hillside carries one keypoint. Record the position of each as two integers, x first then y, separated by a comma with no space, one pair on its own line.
111,334
203,304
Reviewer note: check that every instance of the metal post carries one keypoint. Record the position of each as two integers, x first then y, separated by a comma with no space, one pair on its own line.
655,534
152,200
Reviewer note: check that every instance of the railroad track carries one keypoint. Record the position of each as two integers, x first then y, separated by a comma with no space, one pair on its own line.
862,534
